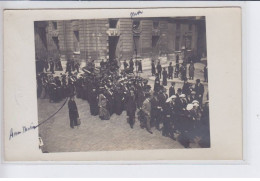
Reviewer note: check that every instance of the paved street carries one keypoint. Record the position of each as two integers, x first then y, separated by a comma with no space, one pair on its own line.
97,135
94,134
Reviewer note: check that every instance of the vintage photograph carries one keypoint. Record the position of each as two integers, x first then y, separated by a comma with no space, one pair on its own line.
122,84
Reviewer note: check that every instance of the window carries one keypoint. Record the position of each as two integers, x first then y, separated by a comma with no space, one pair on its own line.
155,24
188,42
136,24
113,23
76,41
55,27
177,43
155,40
178,27
190,27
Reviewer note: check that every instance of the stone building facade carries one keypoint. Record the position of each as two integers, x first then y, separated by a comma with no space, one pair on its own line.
120,38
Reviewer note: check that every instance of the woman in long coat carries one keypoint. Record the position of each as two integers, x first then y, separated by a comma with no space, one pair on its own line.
191,71
73,112
165,75
102,103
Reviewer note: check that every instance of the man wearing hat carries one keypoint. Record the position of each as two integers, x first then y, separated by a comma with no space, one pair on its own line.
165,75
172,89
93,101
140,66
170,71
52,65
199,89
157,83
153,68
73,112
131,107
186,87
159,69
167,118
183,72
131,65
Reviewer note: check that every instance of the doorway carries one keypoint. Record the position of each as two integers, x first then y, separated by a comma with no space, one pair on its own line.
113,40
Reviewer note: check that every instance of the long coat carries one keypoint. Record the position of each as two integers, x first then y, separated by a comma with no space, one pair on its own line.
186,89
171,91
164,77
73,113
131,105
191,70
93,102
159,68
119,105
153,68
157,84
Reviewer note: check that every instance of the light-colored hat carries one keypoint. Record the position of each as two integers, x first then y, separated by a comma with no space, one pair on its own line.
173,97
168,100
182,96
189,107
195,102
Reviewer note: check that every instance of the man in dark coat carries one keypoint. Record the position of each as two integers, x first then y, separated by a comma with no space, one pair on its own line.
162,97
93,101
199,89
172,89
177,59
119,96
77,65
183,72
153,68
131,108
60,68
167,120
131,65
191,71
68,67
170,71
140,66
157,83
177,70
73,112
159,69
165,75
52,66
186,87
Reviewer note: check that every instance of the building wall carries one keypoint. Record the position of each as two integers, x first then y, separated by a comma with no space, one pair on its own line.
91,37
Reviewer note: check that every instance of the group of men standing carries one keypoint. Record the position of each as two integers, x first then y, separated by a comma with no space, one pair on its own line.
129,67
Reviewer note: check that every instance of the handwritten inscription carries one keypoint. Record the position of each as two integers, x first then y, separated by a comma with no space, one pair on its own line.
24,129
134,14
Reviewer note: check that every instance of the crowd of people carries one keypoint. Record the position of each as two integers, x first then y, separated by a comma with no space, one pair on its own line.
179,71
177,114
